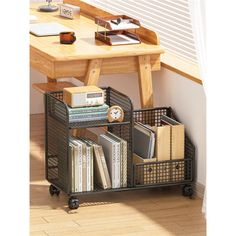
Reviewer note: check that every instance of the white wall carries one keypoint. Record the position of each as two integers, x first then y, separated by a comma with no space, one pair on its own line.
187,98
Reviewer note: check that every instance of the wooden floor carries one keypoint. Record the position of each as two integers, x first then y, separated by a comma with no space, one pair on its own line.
158,212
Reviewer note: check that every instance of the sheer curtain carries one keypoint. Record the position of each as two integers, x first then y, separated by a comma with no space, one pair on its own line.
197,9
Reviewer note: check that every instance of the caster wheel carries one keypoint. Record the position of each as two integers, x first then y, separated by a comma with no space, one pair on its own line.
188,191
53,190
73,203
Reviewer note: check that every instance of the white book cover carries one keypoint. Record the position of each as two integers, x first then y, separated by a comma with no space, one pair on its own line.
89,144
123,158
72,159
78,166
111,150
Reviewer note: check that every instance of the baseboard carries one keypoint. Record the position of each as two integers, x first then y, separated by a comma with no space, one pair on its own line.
199,190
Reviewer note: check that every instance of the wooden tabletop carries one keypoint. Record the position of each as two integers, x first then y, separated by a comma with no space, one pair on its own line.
85,47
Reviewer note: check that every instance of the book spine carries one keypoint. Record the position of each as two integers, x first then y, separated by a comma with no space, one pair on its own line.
88,169
90,115
71,154
76,173
79,169
84,168
124,164
104,168
88,119
84,111
114,175
117,165
121,164
100,169
91,169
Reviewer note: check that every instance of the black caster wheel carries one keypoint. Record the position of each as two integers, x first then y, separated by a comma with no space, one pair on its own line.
53,190
73,203
187,191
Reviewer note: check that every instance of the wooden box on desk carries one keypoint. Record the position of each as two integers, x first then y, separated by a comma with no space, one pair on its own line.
149,171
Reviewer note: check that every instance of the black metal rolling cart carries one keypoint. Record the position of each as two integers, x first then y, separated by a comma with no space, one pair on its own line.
57,159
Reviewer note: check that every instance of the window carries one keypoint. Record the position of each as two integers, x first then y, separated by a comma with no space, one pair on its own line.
170,18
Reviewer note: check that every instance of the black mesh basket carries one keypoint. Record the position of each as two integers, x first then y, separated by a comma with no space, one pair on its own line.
58,127
168,172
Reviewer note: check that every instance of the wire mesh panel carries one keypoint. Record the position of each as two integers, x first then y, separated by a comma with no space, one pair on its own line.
163,172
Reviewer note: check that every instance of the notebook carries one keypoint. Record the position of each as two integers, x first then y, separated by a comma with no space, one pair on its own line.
48,29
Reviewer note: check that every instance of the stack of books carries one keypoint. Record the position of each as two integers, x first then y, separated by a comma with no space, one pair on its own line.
83,114
88,165
115,150
81,155
101,173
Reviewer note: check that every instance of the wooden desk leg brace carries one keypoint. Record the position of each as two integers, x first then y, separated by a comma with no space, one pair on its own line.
145,81
91,78
93,72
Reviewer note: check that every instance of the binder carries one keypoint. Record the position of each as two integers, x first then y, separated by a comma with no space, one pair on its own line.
111,150
144,141
177,137
162,146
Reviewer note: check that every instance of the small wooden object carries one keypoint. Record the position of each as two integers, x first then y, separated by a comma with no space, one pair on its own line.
83,96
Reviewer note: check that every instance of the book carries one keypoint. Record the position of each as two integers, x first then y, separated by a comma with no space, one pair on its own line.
111,150
144,140
104,165
100,177
162,146
89,164
177,137
101,171
85,110
72,168
88,116
78,165
123,158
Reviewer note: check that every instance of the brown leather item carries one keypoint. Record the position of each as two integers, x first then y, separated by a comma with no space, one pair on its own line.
67,37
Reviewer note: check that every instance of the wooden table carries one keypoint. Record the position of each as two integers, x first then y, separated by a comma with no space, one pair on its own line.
88,58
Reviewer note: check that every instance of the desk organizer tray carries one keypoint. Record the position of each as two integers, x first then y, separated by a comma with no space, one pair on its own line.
118,37
168,172
117,30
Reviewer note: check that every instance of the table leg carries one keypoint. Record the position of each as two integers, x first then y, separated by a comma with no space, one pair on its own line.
91,78
93,72
145,81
